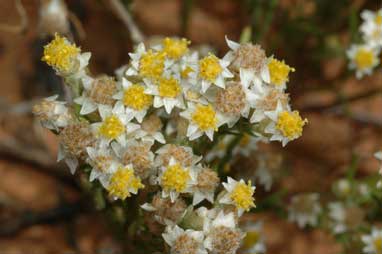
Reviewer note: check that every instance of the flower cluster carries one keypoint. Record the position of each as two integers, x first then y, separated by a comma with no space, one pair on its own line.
364,57
147,131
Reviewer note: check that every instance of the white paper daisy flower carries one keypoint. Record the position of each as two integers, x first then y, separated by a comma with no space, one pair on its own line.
135,98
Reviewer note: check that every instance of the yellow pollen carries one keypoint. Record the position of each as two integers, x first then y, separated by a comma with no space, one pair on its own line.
364,59
175,48
378,19
251,239
151,65
111,127
205,117
175,178
279,71
186,71
290,124
59,53
135,97
242,196
210,68
378,244
169,87
123,182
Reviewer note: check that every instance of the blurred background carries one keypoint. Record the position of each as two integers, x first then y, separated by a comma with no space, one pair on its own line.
41,206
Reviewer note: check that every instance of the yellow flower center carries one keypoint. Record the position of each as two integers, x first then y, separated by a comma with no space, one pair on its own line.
123,182
151,64
378,244
279,71
59,53
135,97
290,124
251,239
242,196
364,59
175,48
378,19
175,178
205,117
169,87
111,127
186,71
209,68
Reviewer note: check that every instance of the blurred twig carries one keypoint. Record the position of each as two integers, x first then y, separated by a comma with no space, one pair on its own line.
62,212
23,20
120,10
361,118
17,152
342,101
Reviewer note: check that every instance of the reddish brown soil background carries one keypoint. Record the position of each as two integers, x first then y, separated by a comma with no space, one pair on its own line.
318,158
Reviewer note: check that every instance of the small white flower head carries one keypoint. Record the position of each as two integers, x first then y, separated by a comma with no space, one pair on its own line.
253,241
222,234
52,114
213,71
65,57
151,130
176,179
371,27
207,182
123,182
203,119
345,218
343,187
267,98
184,241
165,211
114,125
279,72
233,102
174,48
363,58
135,98
138,154
151,64
96,92
372,242
167,93
182,154
305,209
188,69
286,125
103,163
249,61
74,139
239,194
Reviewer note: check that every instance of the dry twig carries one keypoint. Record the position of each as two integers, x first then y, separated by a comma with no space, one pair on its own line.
124,15
23,20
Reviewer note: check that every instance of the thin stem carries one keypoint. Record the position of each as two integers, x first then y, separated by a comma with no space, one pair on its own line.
120,10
